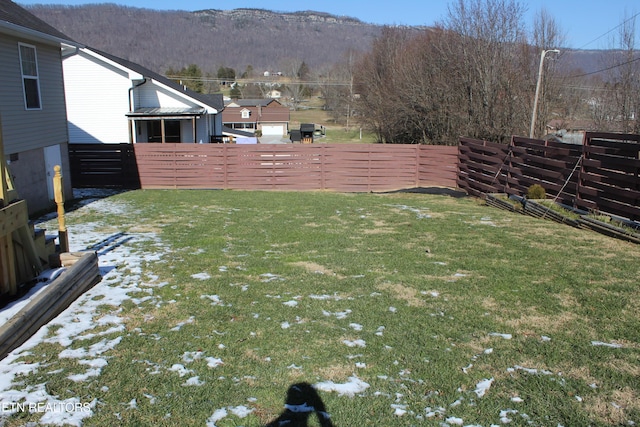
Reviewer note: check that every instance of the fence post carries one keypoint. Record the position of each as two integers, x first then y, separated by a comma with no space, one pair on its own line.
418,161
59,199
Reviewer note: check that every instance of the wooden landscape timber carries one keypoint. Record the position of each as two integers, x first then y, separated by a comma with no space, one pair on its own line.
81,274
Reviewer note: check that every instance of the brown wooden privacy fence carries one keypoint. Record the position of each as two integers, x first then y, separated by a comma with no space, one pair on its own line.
338,167
601,175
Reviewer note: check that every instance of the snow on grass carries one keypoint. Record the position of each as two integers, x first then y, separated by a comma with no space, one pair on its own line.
497,334
193,381
352,387
120,259
483,386
420,212
239,411
354,343
338,315
605,344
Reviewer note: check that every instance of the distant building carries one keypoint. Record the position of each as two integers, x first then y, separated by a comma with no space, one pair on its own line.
266,116
112,100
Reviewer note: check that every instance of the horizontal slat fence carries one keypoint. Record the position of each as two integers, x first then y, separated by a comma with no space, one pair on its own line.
103,165
610,175
600,175
338,167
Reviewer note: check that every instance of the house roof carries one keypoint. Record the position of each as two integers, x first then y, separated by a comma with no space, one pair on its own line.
167,112
13,15
226,130
250,102
213,100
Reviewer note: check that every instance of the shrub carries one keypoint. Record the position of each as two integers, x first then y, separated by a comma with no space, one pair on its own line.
536,191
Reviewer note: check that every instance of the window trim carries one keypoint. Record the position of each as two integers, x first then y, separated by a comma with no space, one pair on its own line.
25,77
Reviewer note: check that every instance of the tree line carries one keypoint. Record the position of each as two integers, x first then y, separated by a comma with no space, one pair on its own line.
476,74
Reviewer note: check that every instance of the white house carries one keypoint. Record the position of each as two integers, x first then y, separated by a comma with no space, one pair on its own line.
112,100
33,121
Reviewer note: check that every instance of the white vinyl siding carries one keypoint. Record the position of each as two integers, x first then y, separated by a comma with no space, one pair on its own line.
31,129
30,79
97,100
153,95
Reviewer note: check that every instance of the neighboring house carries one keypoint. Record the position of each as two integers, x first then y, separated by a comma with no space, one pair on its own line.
274,94
32,104
112,100
265,115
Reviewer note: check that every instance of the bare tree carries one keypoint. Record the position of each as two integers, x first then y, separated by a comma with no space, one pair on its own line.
374,82
471,76
297,72
626,79
337,89
491,65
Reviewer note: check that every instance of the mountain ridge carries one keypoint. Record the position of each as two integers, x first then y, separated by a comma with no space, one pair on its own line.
211,38
264,39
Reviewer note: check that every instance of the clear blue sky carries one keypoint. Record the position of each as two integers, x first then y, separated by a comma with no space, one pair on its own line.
582,21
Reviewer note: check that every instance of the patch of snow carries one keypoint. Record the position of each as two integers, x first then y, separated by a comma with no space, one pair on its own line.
606,344
338,315
399,410
483,386
505,336
213,362
352,387
355,343
180,369
193,381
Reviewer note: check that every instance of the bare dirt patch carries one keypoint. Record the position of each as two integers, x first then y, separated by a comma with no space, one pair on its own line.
613,409
335,372
404,293
316,268
531,324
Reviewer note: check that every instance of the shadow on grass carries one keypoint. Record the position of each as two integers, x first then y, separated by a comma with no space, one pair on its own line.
440,191
302,401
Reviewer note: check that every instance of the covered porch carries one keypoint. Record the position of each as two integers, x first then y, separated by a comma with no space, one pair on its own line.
166,124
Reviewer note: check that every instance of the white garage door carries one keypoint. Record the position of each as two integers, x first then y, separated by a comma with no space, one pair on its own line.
273,130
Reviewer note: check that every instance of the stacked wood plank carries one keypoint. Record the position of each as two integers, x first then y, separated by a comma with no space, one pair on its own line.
81,274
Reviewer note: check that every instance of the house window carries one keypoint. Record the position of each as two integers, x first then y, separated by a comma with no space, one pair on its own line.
243,126
30,80
245,114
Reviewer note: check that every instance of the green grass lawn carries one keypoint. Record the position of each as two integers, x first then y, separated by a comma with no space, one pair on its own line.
431,310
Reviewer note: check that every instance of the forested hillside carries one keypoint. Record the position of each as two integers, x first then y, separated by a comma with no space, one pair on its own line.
210,39
235,38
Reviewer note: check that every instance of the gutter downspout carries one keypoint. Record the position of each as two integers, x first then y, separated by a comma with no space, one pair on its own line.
130,96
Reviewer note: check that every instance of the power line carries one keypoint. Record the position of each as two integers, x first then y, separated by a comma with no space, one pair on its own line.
605,69
611,30
262,82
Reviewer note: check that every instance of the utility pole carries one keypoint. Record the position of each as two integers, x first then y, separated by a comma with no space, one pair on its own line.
535,99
